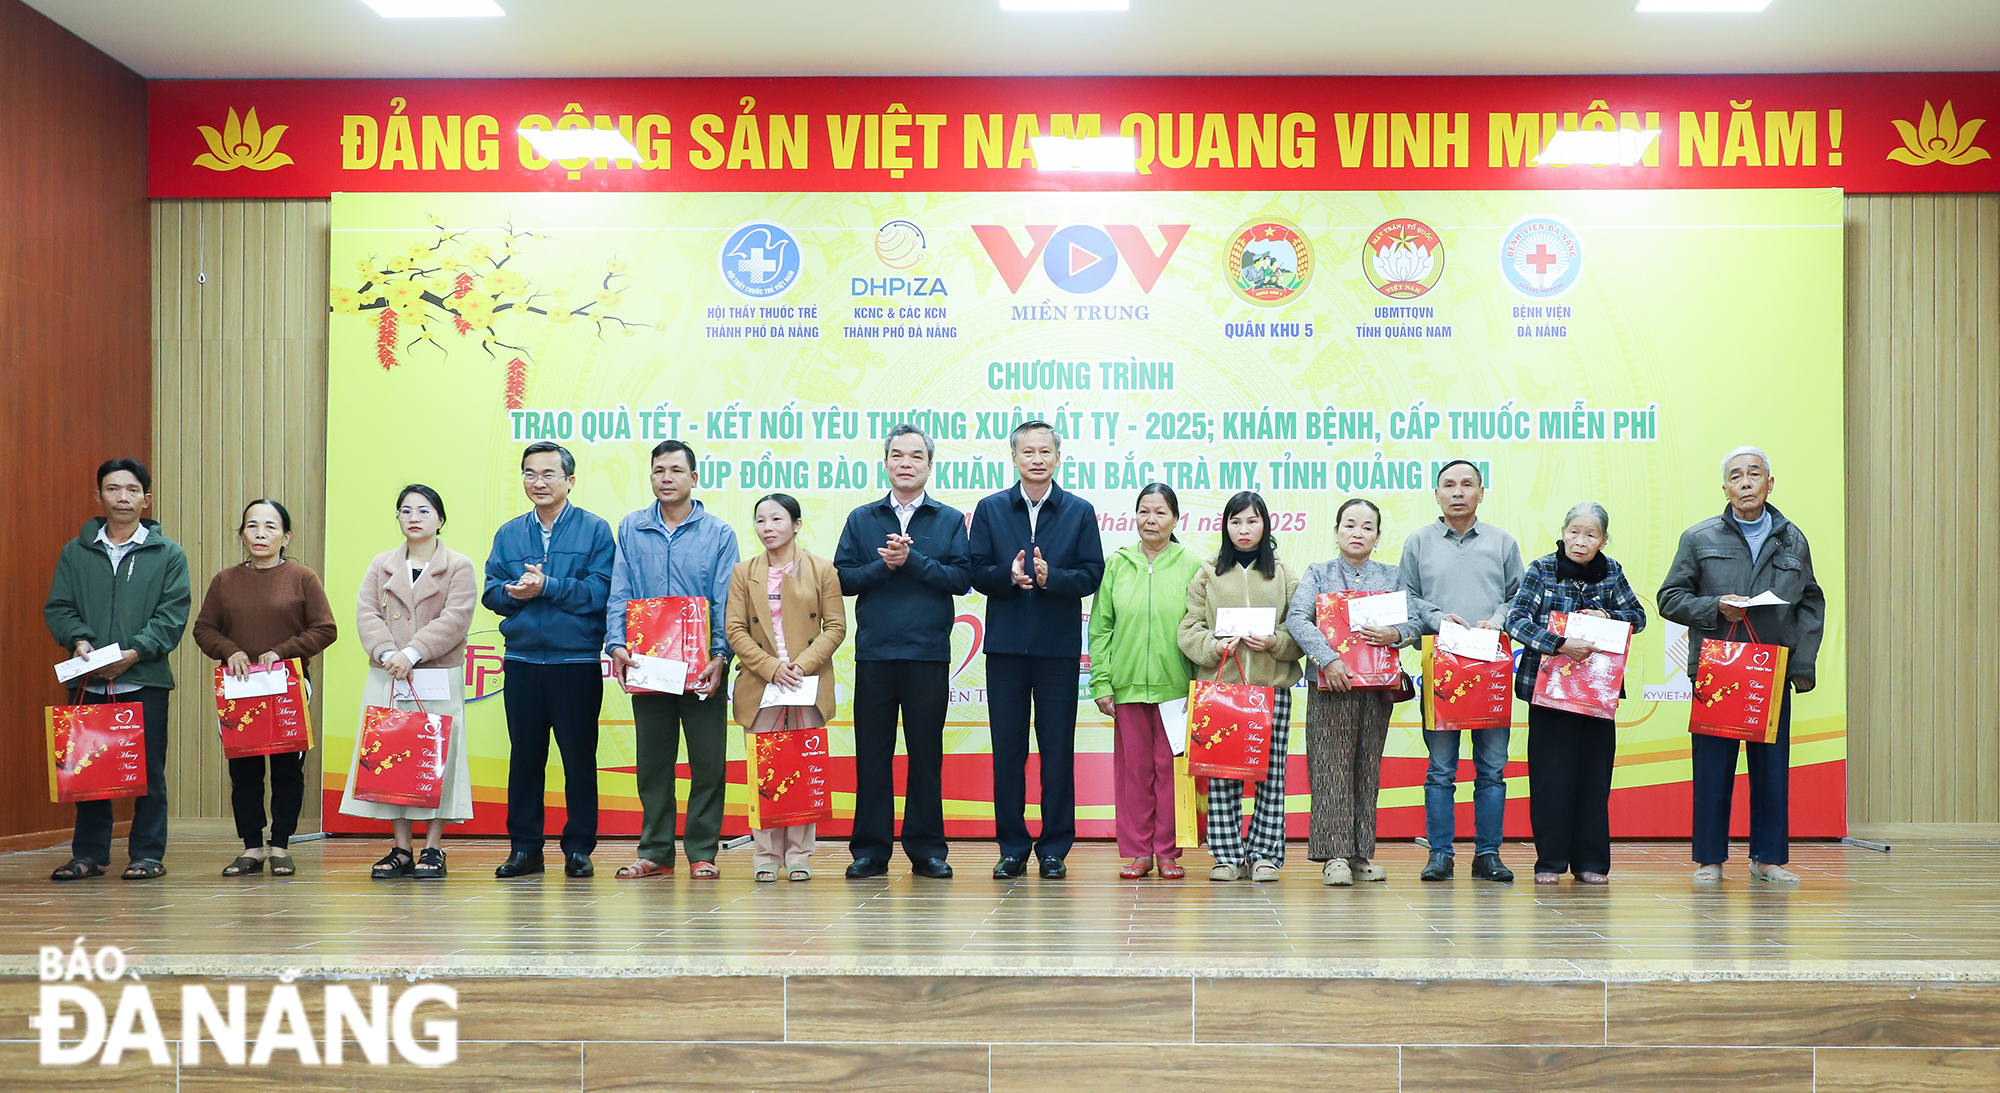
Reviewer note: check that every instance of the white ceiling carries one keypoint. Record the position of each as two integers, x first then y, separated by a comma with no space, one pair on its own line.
334,38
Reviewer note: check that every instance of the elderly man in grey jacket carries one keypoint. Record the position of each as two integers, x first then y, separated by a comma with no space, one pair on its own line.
1722,563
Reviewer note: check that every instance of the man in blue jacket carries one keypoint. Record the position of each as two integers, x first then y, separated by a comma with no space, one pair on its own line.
547,579
903,558
1035,554
673,547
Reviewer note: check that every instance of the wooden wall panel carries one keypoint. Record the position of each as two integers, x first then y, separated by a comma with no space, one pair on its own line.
74,382
239,343
1923,428
241,382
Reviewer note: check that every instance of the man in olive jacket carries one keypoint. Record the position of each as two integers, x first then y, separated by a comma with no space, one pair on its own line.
122,581
1723,562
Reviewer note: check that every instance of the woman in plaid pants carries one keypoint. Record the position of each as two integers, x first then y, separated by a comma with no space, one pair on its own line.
1246,574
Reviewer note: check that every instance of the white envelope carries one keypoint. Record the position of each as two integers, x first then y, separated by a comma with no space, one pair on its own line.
98,658
1609,635
805,694
1382,609
261,682
1476,643
1173,718
424,684
657,674
1764,599
1245,622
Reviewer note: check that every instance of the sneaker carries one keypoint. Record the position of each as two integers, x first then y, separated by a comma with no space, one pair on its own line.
1438,868
1365,870
1226,871
1337,874
1264,871
1776,874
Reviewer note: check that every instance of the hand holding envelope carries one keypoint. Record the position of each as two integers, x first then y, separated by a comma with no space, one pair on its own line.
648,673
1384,609
1472,643
805,694
1607,635
260,682
91,662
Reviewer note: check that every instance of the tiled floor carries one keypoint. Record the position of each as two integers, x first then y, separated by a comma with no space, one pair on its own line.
1924,911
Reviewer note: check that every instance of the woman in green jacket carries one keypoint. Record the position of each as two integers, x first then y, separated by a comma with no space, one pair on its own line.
1135,665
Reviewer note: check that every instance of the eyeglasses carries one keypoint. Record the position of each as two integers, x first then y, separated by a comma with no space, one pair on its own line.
550,477
407,513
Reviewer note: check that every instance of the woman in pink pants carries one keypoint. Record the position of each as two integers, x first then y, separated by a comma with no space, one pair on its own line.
1135,666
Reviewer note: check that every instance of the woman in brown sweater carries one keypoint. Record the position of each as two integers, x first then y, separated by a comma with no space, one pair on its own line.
265,610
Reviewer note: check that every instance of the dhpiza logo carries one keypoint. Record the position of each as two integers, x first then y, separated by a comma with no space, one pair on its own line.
760,260
1081,258
76,1027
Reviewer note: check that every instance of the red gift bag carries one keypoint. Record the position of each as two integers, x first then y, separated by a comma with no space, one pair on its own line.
1738,688
1589,686
790,782
1368,665
267,725
402,757
97,752
1462,693
671,628
1229,727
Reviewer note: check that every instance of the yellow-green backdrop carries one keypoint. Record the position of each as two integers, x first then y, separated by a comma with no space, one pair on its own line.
1707,319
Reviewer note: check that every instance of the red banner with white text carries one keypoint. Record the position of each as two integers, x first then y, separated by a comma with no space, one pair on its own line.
1868,133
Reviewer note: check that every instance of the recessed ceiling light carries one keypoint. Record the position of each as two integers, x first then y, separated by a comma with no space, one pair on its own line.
1114,154
1065,5
1704,5
579,143
434,9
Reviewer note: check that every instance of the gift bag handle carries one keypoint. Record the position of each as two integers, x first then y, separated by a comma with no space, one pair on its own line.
1242,671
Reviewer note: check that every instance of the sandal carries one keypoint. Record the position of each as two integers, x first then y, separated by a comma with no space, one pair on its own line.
243,867
1548,878
143,869
801,873
705,870
281,864
644,867
1172,869
1136,868
396,863
1588,877
765,874
1708,874
430,864
77,869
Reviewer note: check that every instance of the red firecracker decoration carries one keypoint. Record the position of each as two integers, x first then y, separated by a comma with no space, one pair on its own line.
385,338
460,287
459,324
517,383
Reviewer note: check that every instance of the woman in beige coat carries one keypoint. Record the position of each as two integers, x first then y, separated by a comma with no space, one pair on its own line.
783,583
1246,573
414,612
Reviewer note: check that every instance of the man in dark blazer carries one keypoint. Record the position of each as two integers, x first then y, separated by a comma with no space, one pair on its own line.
1035,554
902,558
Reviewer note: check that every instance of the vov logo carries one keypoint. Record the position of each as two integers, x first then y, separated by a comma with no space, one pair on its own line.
1080,258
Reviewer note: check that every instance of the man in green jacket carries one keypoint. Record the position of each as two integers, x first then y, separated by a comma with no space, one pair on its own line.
122,581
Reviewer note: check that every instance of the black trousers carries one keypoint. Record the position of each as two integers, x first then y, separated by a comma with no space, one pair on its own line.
246,796
1048,684
921,690
1569,789
148,841
563,699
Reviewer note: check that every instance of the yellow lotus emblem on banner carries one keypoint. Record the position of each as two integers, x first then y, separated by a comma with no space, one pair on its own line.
1938,138
243,144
